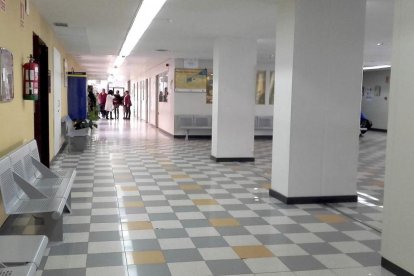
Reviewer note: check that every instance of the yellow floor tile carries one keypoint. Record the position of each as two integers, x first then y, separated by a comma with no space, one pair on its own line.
131,204
224,222
205,202
126,188
145,257
253,251
136,225
332,218
267,186
190,187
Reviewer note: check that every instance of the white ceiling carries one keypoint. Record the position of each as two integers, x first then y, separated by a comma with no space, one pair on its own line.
186,28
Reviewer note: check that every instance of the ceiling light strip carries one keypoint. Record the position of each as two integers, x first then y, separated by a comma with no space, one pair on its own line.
146,13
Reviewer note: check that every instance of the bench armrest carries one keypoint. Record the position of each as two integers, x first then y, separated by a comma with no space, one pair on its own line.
27,188
45,171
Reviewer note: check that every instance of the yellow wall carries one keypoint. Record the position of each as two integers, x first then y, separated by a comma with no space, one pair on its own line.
16,117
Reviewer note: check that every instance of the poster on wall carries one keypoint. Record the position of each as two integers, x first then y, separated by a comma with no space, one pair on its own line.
260,87
272,88
3,5
6,76
209,94
191,80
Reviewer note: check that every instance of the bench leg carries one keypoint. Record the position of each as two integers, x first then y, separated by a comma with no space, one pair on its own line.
186,134
54,228
68,205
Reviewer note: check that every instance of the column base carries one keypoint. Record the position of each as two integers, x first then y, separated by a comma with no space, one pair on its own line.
312,199
390,266
232,159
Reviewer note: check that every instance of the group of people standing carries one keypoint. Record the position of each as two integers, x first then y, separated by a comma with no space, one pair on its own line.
109,102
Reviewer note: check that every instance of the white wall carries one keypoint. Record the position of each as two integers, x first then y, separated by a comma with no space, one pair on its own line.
195,103
375,106
165,109
398,218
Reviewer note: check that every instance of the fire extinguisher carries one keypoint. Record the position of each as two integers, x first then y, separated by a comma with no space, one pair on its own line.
31,80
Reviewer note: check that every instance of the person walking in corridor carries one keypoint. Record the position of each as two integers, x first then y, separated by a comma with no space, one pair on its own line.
127,105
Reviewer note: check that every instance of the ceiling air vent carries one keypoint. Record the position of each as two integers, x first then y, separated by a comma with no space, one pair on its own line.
61,24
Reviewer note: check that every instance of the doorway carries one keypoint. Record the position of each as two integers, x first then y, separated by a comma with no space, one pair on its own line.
41,106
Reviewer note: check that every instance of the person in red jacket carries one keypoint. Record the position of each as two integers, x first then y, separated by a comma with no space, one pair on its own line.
127,105
102,101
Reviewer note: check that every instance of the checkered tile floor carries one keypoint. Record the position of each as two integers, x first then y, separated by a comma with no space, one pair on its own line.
146,204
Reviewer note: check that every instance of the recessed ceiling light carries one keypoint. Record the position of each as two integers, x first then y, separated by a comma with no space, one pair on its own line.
380,43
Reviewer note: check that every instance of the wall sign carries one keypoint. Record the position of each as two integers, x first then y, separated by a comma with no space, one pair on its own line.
6,76
22,13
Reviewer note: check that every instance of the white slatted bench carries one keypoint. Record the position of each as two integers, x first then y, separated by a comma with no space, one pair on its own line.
263,123
194,122
29,187
23,270
20,197
22,254
27,167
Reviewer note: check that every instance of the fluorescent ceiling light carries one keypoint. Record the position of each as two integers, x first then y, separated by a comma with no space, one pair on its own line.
366,68
146,13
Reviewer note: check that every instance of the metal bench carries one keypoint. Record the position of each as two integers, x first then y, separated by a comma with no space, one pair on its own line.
193,122
21,250
26,165
77,138
263,123
20,197
23,270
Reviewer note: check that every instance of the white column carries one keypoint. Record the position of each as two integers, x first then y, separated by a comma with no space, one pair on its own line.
319,58
398,219
234,78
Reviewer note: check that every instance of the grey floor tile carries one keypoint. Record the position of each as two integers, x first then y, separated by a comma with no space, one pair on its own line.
105,219
232,231
291,228
143,270
367,258
299,263
141,245
76,228
69,249
182,255
209,242
319,248
270,239
105,236
228,267
65,272
333,236
162,216
105,259
191,223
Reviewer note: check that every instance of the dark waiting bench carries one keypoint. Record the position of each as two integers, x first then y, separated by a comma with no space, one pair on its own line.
28,187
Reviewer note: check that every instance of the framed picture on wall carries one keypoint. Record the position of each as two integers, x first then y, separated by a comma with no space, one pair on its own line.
6,76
